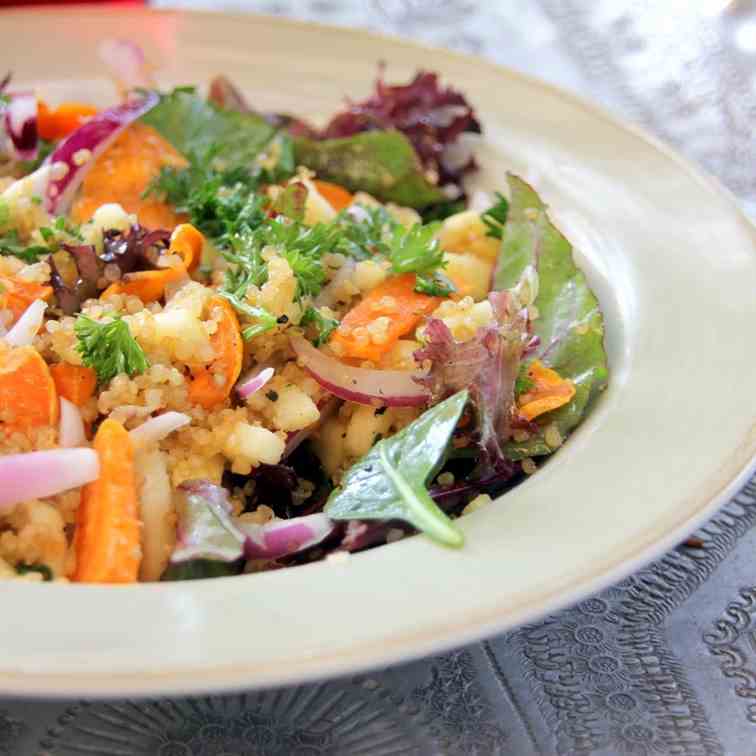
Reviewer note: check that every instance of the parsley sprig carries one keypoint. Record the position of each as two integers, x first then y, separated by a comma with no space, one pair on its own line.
323,326
496,216
109,348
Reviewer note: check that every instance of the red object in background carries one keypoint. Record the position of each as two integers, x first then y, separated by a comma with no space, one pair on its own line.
21,3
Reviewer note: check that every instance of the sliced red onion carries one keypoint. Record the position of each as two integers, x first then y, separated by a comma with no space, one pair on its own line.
39,474
207,530
28,325
394,388
71,429
126,62
73,158
158,427
283,537
254,382
20,123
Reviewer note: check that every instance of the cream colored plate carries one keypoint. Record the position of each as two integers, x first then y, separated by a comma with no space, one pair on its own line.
674,263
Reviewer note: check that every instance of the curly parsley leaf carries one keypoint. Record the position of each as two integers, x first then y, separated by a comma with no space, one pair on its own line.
301,246
415,250
496,216
265,321
364,231
434,285
323,325
109,348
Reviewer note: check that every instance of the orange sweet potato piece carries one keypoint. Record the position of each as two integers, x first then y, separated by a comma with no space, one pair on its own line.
107,522
123,172
549,392
16,294
74,382
395,299
206,389
28,398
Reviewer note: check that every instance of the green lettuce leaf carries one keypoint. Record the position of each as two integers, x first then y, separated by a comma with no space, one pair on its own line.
382,163
195,127
570,324
389,482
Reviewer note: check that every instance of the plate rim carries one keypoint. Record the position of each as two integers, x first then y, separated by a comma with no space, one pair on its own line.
358,657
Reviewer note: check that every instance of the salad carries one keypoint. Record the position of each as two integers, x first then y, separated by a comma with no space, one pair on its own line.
234,341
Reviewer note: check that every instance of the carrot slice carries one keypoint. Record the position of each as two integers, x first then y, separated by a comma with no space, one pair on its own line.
187,242
213,383
395,299
123,172
149,285
16,294
74,382
59,122
28,398
107,521
549,391
338,197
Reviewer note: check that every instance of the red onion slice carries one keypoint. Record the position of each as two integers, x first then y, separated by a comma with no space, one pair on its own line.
391,387
71,429
73,158
158,427
283,537
254,382
126,62
20,122
39,474
28,325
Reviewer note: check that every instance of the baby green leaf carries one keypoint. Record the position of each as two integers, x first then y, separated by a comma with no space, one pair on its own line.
382,163
569,324
389,482
194,126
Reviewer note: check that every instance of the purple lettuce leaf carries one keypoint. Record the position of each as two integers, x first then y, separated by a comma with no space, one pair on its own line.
487,365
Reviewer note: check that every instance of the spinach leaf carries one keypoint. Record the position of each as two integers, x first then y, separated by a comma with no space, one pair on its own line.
570,324
42,569
389,482
382,163
195,127
197,569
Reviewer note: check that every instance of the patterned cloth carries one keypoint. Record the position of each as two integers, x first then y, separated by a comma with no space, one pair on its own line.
665,662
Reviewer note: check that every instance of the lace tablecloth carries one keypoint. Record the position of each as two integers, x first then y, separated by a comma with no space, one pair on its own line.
665,662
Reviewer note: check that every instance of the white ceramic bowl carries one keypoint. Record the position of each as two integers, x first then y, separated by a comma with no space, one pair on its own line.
674,264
